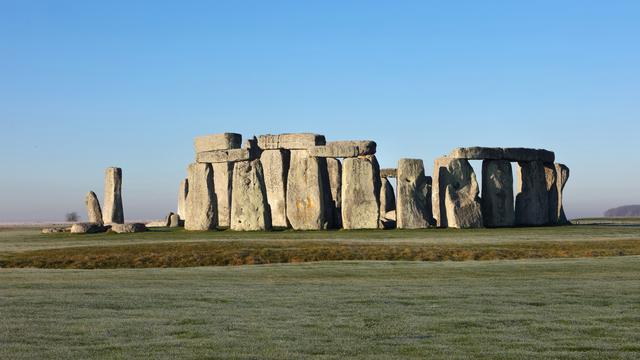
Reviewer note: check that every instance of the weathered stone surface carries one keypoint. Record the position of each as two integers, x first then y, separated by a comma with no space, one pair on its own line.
174,220
113,212
88,228
221,156
562,176
305,192
532,201
222,178
552,192
510,154
249,207
290,141
334,202
275,164
497,193
387,204
413,209
94,213
55,230
455,194
213,142
201,211
182,198
344,149
128,228
388,173
361,193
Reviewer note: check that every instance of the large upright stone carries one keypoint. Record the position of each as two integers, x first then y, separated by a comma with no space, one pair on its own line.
275,164
455,194
222,177
344,149
297,141
201,212
334,171
249,207
552,192
361,193
213,142
387,204
497,193
113,212
305,192
562,175
532,201
413,210
182,198
94,213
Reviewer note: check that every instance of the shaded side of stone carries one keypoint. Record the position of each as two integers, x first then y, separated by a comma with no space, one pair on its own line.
497,193
532,200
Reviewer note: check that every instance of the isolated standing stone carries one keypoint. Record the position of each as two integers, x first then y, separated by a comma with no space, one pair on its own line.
249,207
201,211
361,193
222,177
387,204
457,194
113,212
94,214
275,164
182,198
414,195
305,192
334,172
532,201
497,193
562,175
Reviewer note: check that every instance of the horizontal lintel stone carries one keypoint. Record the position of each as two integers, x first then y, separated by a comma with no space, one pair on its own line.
213,142
220,156
388,172
344,149
509,154
297,141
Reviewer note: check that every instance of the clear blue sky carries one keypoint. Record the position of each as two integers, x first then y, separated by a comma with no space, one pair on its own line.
90,84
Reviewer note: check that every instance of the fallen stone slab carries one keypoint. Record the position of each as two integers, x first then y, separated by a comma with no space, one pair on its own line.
128,228
88,228
222,156
55,230
305,192
275,164
249,206
201,199
296,141
222,187
344,149
361,193
224,141
94,213
497,193
413,205
113,211
388,173
509,154
532,200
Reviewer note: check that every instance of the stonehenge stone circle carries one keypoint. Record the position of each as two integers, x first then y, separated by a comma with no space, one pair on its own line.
455,194
222,187
224,141
201,214
275,164
344,149
249,208
112,211
94,213
497,193
182,198
305,192
413,205
361,193
532,200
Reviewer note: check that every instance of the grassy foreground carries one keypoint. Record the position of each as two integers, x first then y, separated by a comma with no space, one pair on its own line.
569,308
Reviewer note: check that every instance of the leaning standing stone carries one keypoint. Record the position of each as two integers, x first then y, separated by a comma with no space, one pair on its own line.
222,178
414,195
182,198
305,192
361,193
249,207
201,212
276,166
497,193
113,212
94,214
532,201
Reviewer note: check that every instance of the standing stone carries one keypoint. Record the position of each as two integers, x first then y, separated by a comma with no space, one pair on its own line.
440,171
182,198
334,172
174,220
552,192
276,167
361,193
201,199
222,177
305,192
387,204
249,207
532,201
456,194
562,175
94,214
414,195
497,193
113,212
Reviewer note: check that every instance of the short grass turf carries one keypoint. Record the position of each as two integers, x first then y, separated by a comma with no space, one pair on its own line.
541,309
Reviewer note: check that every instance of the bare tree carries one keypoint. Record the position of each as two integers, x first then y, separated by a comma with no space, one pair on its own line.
72,217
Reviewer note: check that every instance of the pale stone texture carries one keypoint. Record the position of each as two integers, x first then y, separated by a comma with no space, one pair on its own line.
497,193
455,194
305,192
562,176
275,164
297,141
361,193
552,192
222,177
344,149
413,208
112,211
174,220
334,171
201,211
388,172
532,201
182,198
94,213
128,228
510,154
156,224
213,142
249,207
88,228
387,204
221,156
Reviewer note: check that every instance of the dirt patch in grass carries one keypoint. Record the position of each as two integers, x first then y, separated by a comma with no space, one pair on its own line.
270,252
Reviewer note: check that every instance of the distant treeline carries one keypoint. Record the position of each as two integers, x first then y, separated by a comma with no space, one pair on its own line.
623,211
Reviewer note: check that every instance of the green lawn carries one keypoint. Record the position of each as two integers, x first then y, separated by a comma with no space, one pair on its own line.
562,308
